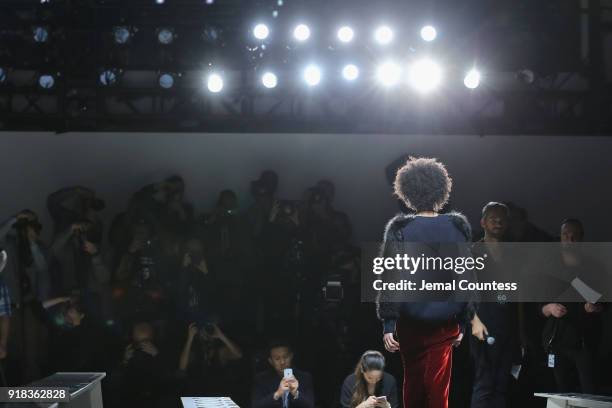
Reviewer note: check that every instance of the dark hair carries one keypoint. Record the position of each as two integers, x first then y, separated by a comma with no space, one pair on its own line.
370,360
423,184
574,221
492,205
276,343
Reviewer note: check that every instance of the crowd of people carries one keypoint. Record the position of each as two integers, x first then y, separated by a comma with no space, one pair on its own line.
172,303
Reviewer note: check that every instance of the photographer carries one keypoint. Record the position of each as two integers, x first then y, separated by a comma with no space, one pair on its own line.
27,280
196,289
209,361
73,204
138,276
142,373
81,267
164,201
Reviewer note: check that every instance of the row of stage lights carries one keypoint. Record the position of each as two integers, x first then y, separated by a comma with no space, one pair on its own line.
423,75
383,35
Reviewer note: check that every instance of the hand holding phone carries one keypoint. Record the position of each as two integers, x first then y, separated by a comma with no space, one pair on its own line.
382,400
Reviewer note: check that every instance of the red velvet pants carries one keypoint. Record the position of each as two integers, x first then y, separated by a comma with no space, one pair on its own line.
426,351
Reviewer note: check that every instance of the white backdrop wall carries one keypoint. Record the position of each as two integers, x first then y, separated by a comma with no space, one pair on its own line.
552,177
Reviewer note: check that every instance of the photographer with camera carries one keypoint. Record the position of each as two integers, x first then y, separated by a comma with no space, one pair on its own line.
164,202
197,290
210,362
74,204
81,267
27,279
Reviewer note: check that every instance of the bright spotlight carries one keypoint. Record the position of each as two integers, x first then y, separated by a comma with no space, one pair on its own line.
109,77
301,32
388,73
345,34
121,35
312,75
428,33
46,81
350,72
166,80
472,79
215,83
41,34
383,35
165,36
160,1
261,31
269,80
425,75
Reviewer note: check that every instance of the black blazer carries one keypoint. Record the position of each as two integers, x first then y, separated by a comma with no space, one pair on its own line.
266,383
387,386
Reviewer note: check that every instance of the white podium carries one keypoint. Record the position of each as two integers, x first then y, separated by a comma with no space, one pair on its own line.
576,400
208,402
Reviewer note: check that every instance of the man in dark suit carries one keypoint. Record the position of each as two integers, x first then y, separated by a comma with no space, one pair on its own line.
272,389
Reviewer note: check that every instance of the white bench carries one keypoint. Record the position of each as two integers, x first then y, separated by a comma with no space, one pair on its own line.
576,400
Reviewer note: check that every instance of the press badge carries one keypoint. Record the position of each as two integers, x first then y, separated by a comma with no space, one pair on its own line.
551,360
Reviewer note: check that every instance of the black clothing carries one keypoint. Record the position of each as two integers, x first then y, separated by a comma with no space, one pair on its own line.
492,363
445,228
266,384
387,386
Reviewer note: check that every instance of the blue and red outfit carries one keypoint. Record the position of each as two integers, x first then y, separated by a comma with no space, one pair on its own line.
425,337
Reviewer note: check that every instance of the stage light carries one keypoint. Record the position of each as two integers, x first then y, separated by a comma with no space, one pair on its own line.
165,36
211,34
301,32
350,72
41,34
388,73
269,80
46,81
383,35
160,1
312,75
345,34
2,75
121,35
166,80
215,83
209,2
428,33
109,77
424,75
261,31
472,79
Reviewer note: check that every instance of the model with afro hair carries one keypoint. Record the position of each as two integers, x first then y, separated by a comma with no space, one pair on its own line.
425,331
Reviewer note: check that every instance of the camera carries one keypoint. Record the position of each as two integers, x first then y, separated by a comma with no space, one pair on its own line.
333,291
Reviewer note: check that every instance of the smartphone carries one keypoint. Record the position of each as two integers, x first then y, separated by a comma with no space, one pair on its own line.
382,398
288,372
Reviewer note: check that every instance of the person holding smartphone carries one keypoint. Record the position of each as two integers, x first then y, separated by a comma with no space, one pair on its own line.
282,386
369,386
